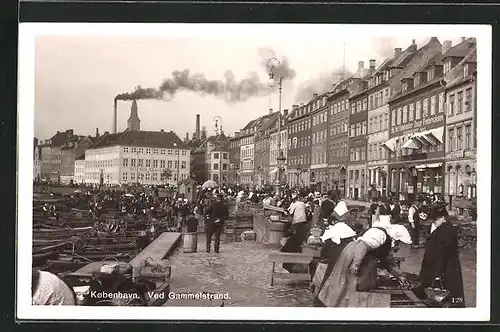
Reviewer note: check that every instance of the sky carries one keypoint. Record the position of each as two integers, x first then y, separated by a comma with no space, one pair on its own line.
78,76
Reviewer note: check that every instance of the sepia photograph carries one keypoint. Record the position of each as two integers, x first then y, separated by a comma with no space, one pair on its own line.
240,171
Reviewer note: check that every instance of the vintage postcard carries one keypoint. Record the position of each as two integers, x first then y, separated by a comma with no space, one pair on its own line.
254,172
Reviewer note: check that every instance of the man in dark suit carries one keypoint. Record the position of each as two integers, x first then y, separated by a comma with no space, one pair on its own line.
218,213
441,263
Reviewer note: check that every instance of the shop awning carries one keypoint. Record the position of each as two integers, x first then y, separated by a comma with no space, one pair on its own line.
390,145
433,165
412,144
430,137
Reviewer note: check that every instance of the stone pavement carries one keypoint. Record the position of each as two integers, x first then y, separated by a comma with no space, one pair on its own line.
242,269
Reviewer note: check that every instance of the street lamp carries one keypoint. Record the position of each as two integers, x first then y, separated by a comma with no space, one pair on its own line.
272,64
178,153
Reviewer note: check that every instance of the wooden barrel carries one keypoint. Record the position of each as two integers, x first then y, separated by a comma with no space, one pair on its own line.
190,242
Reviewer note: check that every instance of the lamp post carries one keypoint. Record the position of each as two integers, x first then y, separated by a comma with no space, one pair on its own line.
178,153
272,64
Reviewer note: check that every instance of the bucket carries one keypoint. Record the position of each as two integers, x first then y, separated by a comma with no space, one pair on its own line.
190,242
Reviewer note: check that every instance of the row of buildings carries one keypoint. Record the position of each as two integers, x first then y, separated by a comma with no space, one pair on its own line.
405,126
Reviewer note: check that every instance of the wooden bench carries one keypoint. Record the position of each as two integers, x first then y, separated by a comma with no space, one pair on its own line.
287,257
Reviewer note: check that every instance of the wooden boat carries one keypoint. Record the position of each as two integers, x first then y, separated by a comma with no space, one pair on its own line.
40,259
51,248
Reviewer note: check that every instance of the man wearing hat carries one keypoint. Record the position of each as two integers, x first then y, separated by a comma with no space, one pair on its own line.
441,263
218,213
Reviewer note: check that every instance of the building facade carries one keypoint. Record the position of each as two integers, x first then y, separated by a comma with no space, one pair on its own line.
36,161
79,172
234,166
73,147
461,105
416,143
319,143
137,157
217,160
50,158
247,146
299,145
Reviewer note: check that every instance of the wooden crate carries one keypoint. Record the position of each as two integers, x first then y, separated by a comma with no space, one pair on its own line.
286,257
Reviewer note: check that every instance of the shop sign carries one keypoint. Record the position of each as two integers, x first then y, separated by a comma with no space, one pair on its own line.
456,154
417,126
470,154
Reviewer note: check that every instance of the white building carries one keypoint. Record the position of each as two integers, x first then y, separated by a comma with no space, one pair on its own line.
137,156
79,174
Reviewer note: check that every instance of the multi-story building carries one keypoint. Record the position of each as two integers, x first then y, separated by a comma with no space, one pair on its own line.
79,173
247,146
319,144
234,157
278,147
50,158
36,160
137,157
416,138
217,158
338,129
299,145
73,147
263,150
461,99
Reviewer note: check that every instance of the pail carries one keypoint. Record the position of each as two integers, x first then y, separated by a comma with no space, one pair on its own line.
190,242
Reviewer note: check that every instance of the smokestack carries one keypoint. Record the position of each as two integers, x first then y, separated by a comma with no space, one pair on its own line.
372,64
447,44
114,117
397,52
97,132
270,111
198,126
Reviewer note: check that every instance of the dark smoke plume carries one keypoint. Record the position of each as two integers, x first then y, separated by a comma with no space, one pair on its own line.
319,85
230,88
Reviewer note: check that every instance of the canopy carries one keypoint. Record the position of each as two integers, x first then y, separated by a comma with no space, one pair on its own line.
390,145
209,184
412,144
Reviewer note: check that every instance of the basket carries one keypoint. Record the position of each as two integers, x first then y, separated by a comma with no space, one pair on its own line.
436,294
110,267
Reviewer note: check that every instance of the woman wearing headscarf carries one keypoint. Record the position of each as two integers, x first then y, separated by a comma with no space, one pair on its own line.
441,263
356,267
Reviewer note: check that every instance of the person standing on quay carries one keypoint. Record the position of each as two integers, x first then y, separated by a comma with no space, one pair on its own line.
218,213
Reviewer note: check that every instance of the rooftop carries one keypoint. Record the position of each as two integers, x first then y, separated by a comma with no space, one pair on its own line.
154,139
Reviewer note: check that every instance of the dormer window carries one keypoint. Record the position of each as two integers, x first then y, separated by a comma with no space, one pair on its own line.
430,74
417,79
466,70
404,87
447,66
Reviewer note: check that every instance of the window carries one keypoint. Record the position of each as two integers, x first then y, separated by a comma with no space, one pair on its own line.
154,176
417,79
418,110
125,162
358,128
132,176
363,130
147,177
365,104
162,164
155,163
132,162
433,105
468,142
148,163
184,152
215,167
169,164
352,130
451,108
430,74
162,151
468,99
460,102
183,164
425,108
176,164
125,149
441,103
170,152
405,114
141,162
224,167
124,176
155,151
451,139
399,116
459,138
148,150
141,150
411,112
134,150
216,156
393,117
447,66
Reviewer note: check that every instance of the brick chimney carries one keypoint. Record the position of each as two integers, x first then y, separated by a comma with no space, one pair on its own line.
372,64
301,105
97,132
70,132
462,39
270,111
315,95
447,44
397,52
413,46
285,113
361,66
295,107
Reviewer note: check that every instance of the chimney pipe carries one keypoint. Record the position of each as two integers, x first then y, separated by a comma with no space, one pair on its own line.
198,126
372,64
315,95
447,44
361,65
97,132
294,107
187,137
270,111
285,113
114,117
397,52
462,39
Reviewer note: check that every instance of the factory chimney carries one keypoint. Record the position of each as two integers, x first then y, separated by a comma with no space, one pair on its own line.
198,126
97,132
114,117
